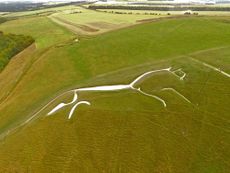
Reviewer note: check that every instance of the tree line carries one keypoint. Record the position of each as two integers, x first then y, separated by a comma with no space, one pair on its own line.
10,45
160,8
29,6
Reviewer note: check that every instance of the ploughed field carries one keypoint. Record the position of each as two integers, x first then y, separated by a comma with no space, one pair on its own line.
174,120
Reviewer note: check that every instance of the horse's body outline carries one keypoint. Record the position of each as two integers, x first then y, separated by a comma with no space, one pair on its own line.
120,87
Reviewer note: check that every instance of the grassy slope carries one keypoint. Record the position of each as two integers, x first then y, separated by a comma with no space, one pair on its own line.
46,35
41,29
129,139
2,20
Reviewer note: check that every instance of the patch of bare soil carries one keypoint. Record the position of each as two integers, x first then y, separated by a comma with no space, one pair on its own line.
103,25
147,20
158,19
82,27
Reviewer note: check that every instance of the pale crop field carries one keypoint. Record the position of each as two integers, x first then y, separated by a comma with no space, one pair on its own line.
91,22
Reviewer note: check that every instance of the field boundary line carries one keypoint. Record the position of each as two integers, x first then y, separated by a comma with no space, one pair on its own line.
211,67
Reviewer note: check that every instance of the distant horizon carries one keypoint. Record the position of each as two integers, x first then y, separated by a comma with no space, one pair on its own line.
43,1
37,1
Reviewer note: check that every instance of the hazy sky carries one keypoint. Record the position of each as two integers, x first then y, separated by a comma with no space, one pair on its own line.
78,0
34,0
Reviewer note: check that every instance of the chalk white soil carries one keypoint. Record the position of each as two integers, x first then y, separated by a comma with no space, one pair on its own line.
130,86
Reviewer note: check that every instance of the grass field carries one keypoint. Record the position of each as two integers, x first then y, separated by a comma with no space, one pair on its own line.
91,22
121,131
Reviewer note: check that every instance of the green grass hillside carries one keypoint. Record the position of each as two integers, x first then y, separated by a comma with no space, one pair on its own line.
2,20
10,45
121,131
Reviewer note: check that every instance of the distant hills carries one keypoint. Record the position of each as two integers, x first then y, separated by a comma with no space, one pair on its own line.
21,5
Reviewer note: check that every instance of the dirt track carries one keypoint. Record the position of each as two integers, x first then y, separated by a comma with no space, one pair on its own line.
75,28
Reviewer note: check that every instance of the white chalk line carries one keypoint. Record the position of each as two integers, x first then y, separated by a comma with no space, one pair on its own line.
4,134
75,106
113,88
153,96
178,93
212,67
64,104
180,77
147,73
97,88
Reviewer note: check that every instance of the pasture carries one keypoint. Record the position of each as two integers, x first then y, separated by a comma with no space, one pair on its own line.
121,131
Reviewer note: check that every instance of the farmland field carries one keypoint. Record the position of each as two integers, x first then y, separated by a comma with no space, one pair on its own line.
91,22
175,120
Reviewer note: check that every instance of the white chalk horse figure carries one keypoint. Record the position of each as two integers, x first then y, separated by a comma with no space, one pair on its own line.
75,102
